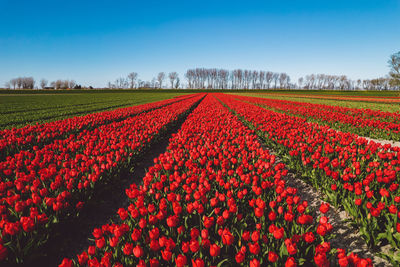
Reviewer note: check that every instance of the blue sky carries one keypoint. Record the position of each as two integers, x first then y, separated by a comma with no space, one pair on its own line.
94,42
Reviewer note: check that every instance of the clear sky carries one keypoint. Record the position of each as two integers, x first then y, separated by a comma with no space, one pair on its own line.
94,42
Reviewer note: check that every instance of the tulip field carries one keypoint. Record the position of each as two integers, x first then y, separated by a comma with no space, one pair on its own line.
20,109
364,122
218,195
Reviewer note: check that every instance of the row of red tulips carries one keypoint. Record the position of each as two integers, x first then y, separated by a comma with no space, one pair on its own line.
364,113
14,140
364,122
39,187
353,98
215,198
360,176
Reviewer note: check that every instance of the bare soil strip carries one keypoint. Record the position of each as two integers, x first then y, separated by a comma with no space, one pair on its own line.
384,142
346,236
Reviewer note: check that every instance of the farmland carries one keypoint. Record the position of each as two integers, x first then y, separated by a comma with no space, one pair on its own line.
18,110
389,104
199,179
365,118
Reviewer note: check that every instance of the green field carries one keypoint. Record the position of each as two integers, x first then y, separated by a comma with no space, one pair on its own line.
22,108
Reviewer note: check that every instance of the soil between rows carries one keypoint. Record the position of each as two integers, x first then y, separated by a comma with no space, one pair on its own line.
346,236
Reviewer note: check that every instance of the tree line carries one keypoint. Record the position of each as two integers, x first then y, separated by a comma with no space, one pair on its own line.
214,78
131,81
335,82
29,83
342,82
21,83
203,78
236,79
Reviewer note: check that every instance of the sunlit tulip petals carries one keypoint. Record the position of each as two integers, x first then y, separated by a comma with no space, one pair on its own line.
189,202
41,185
358,175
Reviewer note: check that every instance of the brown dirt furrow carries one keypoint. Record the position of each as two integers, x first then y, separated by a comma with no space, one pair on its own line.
384,142
346,236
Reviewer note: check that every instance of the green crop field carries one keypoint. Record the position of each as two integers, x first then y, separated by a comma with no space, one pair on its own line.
22,108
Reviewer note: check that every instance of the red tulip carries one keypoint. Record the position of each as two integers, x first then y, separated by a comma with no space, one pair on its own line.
324,208
254,263
227,237
138,251
214,250
272,256
180,260
290,262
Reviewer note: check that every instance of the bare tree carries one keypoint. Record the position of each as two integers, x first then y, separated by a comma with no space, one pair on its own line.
212,78
254,79
23,83
284,80
238,79
177,83
43,83
120,82
160,78
132,79
223,77
141,83
13,83
319,80
172,77
29,83
342,82
394,64
246,79
268,78
71,84
275,79
261,79
190,76
19,83
154,83
358,86
65,84
310,81
58,84
300,82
